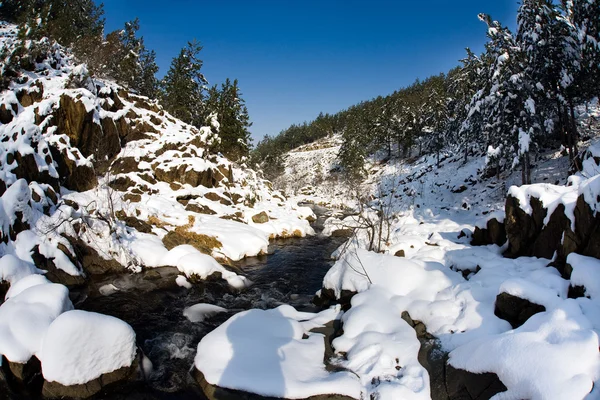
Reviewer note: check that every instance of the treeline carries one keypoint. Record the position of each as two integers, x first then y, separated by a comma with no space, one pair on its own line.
123,57
519,95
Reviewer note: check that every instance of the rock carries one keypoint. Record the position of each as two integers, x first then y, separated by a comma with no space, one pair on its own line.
400,253
528,236
122,183
92,262
460,189
203,243
84,133
6,113
260,218
199,208
449,383
55,390
494,233
55,274
212,196
182,174
328,298
213,392
515,310
345,232
464,385
79,178
31,95
135,223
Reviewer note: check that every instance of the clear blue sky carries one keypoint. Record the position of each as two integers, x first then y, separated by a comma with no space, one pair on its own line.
294,59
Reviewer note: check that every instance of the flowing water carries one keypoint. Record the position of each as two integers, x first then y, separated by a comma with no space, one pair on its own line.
153,305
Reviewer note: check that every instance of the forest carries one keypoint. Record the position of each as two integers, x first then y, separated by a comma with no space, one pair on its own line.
123,57
519,96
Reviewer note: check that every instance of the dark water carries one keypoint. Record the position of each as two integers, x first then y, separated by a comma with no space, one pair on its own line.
153,305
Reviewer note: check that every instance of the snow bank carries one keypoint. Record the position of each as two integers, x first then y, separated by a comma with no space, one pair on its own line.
379,343
554,355
267,352
586,273
80,346
26,316
191,262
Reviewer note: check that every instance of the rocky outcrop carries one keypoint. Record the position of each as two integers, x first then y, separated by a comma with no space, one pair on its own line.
493,233
101,140
182,174
515,310
529,236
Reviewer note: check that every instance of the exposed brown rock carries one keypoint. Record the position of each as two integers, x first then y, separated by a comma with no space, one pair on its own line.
260,218
212,196
199,208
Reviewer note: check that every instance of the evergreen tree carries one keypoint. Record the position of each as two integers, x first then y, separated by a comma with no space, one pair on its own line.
234,121
183,87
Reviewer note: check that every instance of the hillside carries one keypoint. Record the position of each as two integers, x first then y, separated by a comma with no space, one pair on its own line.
95,179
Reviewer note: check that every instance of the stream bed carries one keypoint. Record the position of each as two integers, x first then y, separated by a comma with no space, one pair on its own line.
153,304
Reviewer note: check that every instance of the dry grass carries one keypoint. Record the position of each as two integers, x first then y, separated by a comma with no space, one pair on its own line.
155,221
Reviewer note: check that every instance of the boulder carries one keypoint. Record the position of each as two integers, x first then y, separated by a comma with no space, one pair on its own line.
260,218
449,383
199,208
54,390
515,310
213,392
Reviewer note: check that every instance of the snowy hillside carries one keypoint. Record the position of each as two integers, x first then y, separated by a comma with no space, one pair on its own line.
432,315
97,179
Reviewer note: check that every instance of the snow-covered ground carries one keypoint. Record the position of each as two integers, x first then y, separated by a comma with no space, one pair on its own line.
427,268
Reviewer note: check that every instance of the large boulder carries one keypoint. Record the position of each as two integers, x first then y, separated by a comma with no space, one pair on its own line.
84,352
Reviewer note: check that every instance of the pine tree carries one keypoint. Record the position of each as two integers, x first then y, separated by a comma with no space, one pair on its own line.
233,118
183,87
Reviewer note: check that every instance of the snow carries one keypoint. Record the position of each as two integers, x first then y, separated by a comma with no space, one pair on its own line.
379,343
200,312
201,265
80,346
553,355
267,352
586,273
26,316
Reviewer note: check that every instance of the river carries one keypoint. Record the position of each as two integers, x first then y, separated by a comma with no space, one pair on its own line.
153,305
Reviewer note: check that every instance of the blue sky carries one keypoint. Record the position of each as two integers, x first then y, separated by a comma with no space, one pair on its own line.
295,59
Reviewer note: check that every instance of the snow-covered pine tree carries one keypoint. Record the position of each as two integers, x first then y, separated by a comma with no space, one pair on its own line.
233,118
183,87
